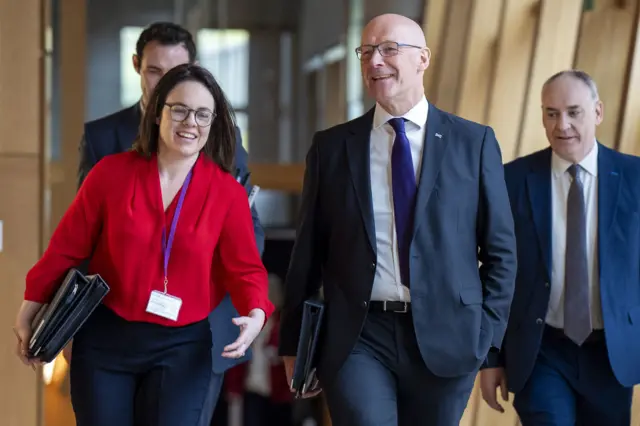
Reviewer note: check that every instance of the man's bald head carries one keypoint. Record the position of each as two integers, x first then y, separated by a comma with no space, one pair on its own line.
394,55
391,26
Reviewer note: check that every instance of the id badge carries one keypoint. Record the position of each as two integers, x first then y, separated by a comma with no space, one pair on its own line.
164,305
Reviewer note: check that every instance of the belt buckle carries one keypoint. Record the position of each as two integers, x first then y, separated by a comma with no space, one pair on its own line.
397,311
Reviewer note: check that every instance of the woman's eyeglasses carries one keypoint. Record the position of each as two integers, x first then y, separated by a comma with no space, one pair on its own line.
180,113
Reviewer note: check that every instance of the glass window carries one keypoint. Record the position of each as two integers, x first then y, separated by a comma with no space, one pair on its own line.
242,120
130,91
226,54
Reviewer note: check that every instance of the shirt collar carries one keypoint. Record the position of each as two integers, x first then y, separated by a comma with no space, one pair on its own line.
416,115
588,163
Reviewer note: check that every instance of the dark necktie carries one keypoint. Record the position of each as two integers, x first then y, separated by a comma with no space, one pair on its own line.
577,314
404,193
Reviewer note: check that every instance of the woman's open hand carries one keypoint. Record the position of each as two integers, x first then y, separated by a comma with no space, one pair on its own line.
250,327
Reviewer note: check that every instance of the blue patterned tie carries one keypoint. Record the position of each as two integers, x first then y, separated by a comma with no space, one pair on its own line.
577,314
404,194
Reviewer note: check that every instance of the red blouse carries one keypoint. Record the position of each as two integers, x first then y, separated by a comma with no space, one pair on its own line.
117,220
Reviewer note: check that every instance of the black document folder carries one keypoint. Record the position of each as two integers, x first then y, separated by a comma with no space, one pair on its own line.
304,372
60,320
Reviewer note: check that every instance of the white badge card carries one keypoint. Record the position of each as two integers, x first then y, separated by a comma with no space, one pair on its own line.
164,305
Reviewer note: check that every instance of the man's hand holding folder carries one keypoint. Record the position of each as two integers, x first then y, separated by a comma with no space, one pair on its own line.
302,369
289,366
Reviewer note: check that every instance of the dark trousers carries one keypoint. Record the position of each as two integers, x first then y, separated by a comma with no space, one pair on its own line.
572,385
385,382
125,373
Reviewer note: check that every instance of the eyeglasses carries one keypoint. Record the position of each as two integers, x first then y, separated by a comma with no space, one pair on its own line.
386,48
180,113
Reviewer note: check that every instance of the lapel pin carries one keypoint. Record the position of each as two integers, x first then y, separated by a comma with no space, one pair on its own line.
438,135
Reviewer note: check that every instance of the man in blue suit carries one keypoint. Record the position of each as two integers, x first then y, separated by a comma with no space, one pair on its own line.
398,207
160,47
572,349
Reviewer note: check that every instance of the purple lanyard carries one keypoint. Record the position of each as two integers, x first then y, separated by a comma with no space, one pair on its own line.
166,244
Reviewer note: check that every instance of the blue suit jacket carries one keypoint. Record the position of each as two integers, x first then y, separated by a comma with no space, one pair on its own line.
462,216
529,185
116,133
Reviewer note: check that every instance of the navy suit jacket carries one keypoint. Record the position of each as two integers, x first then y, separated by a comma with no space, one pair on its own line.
462,216
116,133
529,185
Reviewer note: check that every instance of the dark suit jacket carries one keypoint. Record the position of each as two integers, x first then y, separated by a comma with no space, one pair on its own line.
116,133
462,216
529,185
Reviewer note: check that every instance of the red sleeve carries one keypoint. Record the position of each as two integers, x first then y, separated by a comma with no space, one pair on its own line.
237,264
72,241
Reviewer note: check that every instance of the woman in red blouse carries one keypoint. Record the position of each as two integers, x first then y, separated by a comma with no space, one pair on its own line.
169,229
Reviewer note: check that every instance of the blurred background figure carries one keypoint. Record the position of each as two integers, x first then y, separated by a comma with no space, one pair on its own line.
260,386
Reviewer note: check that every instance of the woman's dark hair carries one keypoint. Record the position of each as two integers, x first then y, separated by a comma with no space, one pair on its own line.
221,143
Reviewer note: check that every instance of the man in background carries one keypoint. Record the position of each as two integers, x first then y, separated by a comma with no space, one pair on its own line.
571,353
160,47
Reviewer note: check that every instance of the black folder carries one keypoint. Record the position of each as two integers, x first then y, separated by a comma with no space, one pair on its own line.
304,372
60,320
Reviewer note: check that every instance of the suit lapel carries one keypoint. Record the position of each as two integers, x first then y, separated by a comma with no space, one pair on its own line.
539,191
127,131
358,157
435,145
608,190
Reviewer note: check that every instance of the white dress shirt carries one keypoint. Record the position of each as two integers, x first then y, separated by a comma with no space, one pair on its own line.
387,284
560,182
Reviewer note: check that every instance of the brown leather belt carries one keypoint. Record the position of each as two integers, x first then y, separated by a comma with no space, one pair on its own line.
388,306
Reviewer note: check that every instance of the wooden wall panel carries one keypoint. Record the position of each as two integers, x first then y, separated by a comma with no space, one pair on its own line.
20,87
435,13
554,51
279,177
513,60
479,62
20,212
607,31
451,57
629,122
21,188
